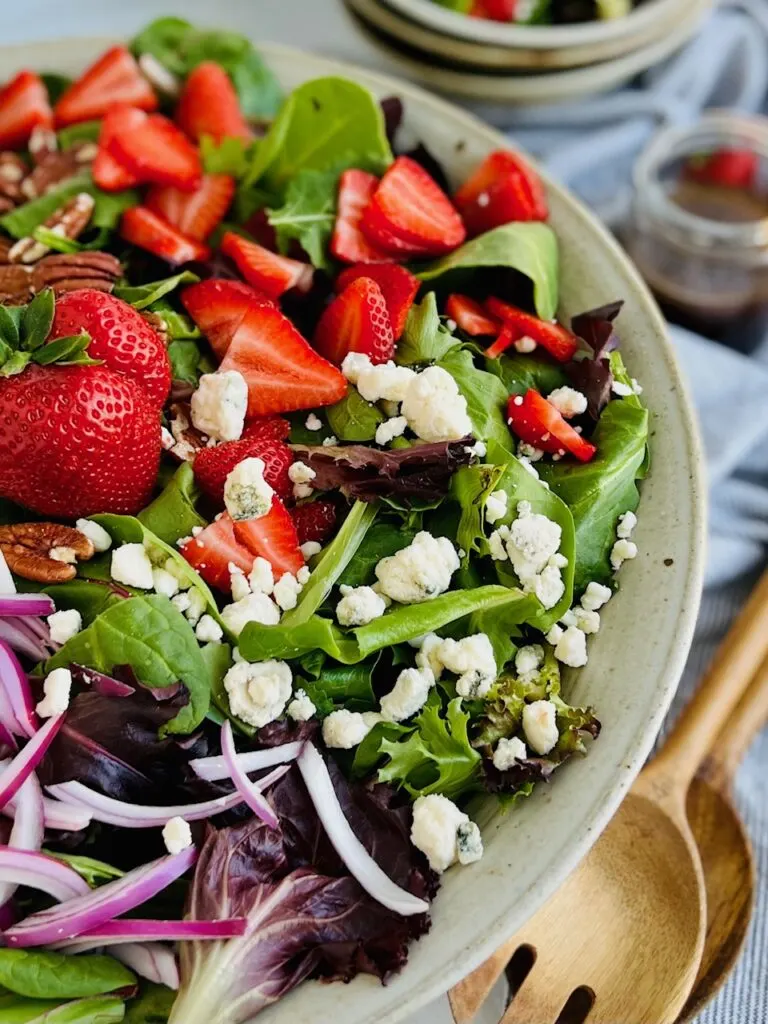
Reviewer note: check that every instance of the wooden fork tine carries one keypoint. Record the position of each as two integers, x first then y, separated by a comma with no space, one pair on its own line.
468,996
536,1003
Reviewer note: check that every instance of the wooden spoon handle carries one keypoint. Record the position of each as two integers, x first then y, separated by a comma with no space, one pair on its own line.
468,995
723,760
737,660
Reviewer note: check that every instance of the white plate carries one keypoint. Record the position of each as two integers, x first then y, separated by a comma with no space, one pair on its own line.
636,660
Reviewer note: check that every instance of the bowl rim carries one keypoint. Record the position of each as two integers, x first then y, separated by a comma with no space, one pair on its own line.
599,810
538,37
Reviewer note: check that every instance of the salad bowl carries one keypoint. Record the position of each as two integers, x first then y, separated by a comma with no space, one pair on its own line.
635,662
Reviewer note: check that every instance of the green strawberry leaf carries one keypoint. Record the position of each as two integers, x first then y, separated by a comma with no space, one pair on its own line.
15,363
65,350
9,327
37,320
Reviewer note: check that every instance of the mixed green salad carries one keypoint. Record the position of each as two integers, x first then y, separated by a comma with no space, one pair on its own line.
306,501
542,12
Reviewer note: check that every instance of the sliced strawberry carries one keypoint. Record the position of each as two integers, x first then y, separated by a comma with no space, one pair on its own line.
349,244
109,173
218,306
143,228
273,537
398,286
264,427
23,106
114,78
558,341
315,521
282,371
536,421
356,321
208,105
410,214
265,270
212,551
212,466
495,10
470,316
157,151
504,188
728,168
196,213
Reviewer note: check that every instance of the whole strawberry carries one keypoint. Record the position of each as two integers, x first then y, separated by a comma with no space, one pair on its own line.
120,337
77,440
212,466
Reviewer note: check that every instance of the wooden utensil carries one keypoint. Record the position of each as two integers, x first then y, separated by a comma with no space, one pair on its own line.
621,942
725,849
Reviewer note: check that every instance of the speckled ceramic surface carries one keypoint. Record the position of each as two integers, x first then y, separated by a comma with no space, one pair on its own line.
636,660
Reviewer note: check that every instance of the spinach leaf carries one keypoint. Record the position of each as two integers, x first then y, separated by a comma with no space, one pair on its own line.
109,207
519,373
530,248
173,514
95,872
348,686
149,634
307,215
322,122
178,325
462,6
383,539
85,131
353,419
425,338
218,660
56,85
94,1010
598,492
143,295
153,1005
229,156
470,489
186,361
485,394
39,974
89,597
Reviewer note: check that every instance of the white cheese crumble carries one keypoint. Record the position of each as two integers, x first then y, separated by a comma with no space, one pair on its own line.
131,565
63,554
588,622
310,548
571,647
527,451
408,695
96,534
568,401
247,494
469,843
301,708
528,660
621,552
376,382
532,544
496,506
300,473
344,729
177,835
57,687
359,606
390,429
435,408
540,726
219,405
286,591
208,631
181,602
525,345
508,752
313,422
261,577
258,692
239,585
473,660
195,608
621,389
164,583
428,656
435,827
595,596
65,625
330,441
253,608
626,526
420,571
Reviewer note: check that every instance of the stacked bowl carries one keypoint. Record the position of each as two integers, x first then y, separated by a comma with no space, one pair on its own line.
479,59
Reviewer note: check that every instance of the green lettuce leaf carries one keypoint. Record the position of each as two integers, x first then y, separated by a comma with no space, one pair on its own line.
425,339
89,597
93,1010
142,296
307,215
178,325
229,156
172,514
485,394
383,539
518,373
95,872
85,131
109,207
153,1005
39,974
530,248
353,419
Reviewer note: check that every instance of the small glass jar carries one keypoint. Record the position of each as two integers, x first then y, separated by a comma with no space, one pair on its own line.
702,245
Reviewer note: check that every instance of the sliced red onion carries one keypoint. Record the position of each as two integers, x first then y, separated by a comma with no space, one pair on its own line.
6,714
100,905
8,915
25,762
358,861
14,633
28,827
136,929
117,812
26,604
14,680
7,742
36,870
213,768
249,791
151,960
62,817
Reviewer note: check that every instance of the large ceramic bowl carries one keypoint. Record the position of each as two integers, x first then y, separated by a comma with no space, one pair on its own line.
636,660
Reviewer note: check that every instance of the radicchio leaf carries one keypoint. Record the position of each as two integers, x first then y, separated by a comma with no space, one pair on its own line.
594,379
392,109
592,375
419,473
595,327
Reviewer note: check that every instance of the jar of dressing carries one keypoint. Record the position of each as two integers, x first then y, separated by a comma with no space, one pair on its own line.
698,231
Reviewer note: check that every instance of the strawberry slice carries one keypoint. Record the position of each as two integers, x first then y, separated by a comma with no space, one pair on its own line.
348,243
315,520
143,228
558,341
157,151
212,551
728,168
196,213
537,422
410,215
208,105
470,316
114,78
23,106
265,270
282,371
109,173
218,306
264,427
273,537
495,10
356,321
504,188
398,286
212,466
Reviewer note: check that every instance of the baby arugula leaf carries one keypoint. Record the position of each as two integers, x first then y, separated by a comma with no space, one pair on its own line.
307,215
142,296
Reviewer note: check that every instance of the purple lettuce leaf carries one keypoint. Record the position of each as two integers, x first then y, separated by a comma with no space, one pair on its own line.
591,374
596,328
594,379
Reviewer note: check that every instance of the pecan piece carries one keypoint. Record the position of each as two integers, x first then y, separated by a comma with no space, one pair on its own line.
42,142
65,272
157,323
69,221
188,440
28,550
54,167
13,171
16,285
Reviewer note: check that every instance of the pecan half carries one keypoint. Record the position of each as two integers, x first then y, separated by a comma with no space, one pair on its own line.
13,170
68,221
42,142
64,272
54,167
27,549
16,285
